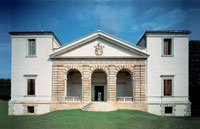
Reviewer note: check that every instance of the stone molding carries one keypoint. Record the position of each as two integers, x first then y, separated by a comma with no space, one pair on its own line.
73,67
99,67
129,68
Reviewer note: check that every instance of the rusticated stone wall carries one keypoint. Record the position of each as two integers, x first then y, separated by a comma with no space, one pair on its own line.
61,67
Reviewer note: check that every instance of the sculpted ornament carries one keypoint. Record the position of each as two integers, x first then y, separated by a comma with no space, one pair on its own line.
99,49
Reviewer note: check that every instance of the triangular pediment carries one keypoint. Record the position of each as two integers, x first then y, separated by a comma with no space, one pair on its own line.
99,45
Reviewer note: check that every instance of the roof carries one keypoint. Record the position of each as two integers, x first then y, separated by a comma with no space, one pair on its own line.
99,31
36,33
187,32
168,32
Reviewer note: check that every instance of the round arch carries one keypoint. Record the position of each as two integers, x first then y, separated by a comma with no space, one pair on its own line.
99,67
72,69
73,85
124,85
128,68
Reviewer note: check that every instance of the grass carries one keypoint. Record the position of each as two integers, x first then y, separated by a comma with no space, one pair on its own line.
77,119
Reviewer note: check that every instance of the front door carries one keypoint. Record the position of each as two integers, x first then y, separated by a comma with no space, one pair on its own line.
99,93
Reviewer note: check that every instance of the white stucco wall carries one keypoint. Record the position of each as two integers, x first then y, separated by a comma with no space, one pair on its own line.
41,66
158,65
55,44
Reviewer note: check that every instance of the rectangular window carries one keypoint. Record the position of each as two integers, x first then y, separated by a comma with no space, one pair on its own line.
167,87
168,110
31,86
167,47
167,84
30,109
31,47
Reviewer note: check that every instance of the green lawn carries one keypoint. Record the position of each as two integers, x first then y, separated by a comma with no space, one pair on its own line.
77,119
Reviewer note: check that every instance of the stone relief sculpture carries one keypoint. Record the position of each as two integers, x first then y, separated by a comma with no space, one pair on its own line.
99,49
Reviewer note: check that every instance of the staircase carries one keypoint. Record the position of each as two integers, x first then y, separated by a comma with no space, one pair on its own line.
99,107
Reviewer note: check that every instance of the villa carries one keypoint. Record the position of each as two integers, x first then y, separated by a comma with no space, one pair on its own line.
100,72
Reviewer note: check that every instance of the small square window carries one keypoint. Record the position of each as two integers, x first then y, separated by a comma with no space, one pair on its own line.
168,110
30,109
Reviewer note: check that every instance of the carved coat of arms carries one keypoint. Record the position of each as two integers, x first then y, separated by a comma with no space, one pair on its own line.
99,49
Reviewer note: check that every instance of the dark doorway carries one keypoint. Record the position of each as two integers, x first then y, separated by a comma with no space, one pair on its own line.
99,93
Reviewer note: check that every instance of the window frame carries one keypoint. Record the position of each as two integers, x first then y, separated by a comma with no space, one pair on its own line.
28,76
31,87
167,77
27,48
172,47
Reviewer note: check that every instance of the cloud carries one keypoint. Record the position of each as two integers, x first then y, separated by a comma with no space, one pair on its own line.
117,18
159,19
113,19
110,18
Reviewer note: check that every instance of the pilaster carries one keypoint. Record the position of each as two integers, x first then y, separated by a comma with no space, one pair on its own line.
58,82
139,82
111,83
86,84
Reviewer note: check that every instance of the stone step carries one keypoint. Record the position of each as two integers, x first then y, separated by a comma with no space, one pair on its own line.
99,107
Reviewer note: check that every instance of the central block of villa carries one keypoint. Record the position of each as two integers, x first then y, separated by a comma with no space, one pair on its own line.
82,81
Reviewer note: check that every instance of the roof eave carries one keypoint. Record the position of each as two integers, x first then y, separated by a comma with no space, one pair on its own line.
97,57
182,32
36,33
187,32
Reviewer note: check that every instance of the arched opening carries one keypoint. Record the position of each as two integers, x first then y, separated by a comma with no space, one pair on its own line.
99,86
124,86
74,86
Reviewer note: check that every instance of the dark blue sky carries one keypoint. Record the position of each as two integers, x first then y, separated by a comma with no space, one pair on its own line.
69,20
